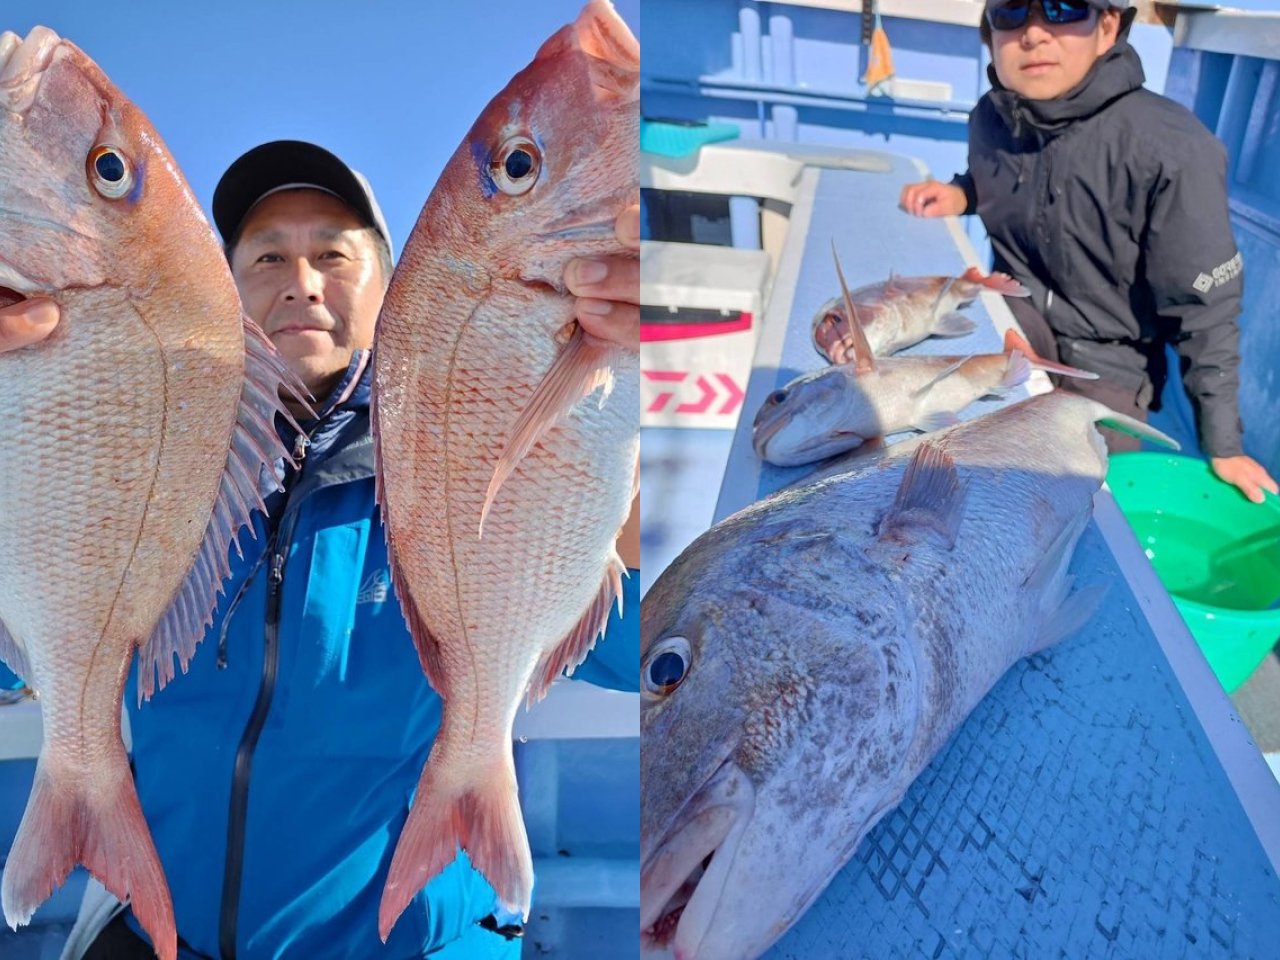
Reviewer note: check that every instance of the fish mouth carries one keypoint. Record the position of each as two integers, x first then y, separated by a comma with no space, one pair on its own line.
23,63
684,879
765,429
808,450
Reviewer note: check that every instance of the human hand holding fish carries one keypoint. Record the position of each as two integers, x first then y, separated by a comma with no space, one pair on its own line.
608,288
26,322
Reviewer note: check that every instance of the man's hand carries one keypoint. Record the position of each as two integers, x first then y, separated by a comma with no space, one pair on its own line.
1246,473
608,289
933,199
26,322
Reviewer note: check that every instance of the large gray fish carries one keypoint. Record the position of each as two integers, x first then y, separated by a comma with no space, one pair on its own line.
900,311
805,659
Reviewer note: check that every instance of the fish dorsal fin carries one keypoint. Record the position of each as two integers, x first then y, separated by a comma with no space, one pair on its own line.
15,655
1015,342
254,444
891,285
863,358
583,364
946,372
931,497
423,640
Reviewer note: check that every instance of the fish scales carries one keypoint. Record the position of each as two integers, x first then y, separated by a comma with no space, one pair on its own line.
836,634
507,438
123,426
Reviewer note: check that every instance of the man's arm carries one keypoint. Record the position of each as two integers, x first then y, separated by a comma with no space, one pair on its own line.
1196,276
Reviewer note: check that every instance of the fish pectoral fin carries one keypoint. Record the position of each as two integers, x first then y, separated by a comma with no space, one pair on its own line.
937,420
930,498
584,364
254,445
15,655
102,827
1062,612
573,649
953,324
1069,616
482,816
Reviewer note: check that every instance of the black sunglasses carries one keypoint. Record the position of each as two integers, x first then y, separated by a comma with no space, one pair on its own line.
1013,15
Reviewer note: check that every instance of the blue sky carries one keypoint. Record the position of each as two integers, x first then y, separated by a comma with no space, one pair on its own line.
391,87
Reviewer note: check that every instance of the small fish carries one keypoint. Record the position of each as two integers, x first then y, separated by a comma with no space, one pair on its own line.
902,311
503,481
837,408
134,438
806,658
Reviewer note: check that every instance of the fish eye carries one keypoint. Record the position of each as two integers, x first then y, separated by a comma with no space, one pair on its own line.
665,668
777,397
110,172
515,166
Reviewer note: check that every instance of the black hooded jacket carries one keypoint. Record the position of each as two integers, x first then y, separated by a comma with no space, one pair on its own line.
1110,204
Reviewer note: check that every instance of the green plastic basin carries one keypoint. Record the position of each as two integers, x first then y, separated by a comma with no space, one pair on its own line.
1216,553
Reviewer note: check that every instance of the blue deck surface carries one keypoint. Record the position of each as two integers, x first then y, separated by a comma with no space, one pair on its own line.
1082,810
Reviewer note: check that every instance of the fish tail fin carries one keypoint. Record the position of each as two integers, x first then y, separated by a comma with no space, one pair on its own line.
1000,283
483,818
1016,372
584,364
1135,428
1014,341
66,823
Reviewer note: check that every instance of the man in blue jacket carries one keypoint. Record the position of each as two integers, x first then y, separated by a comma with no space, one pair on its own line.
277,774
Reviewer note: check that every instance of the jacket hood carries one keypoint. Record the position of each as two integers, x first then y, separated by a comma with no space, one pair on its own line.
1115,74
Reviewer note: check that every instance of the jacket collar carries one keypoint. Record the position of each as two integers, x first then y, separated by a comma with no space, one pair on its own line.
339,445
1116,73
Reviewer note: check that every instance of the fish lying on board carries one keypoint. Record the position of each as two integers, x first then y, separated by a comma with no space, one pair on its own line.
804,659
133,440
901,311
837,408
503,490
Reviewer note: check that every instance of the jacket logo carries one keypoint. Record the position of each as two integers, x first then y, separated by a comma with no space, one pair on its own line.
1224,273
375,588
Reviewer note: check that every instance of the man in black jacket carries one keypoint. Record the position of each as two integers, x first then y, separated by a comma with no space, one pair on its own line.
1109,202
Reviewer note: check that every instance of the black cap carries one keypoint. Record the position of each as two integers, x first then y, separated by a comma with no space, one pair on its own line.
289,164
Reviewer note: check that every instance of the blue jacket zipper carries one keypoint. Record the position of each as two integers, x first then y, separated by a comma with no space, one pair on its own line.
233,871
